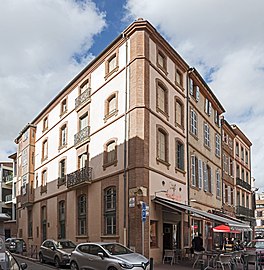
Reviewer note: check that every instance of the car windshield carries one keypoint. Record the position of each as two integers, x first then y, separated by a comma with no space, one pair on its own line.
256,244
116,249
65,244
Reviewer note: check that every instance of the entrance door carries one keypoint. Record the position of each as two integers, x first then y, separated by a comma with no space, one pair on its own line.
167,236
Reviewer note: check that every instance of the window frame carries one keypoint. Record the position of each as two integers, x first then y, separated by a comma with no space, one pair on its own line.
110,213
207,142
63,107
181,116
180,153
82,214
113,161
194,123
44,150
163,65
162,159
160,86
108,114
109,71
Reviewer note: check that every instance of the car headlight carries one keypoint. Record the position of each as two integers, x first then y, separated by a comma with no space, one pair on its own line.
126,265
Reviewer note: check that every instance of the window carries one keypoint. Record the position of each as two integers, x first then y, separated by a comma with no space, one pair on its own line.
162,98
111,65
82,215
247,178
207,173
83,121
84,87
246,157
225,137
44,222
63,136
162,145
45,123
179,155
82,160
232,196
237,149
153,233
242,153
217,145
44,178
243,174
206,135
231,168
218,184
45,150
63,106
217,118
226,195
30,224
162,61
111,106
62,219
179,77
110,210
110,154
62,168
193,122
208,107
179,113
196,172
238,171
194,90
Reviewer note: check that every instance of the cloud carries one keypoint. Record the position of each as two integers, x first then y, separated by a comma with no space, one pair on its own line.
223,39
44,44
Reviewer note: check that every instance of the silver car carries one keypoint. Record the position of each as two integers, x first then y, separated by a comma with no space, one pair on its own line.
57,252
106,256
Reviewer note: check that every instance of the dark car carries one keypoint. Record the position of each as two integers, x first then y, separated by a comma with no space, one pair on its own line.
16,245
106,256
11,263
57,252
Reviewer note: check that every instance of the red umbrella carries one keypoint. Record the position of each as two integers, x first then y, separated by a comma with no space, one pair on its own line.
222,228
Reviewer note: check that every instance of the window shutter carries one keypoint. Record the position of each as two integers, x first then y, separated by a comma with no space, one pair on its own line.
197,93
229,195
191,86
200,173
205,177
212,181
193,169
206,106
210,108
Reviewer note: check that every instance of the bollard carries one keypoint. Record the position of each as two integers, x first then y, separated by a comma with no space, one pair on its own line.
151,264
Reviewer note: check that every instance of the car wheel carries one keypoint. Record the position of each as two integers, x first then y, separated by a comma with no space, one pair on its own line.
41,258
57,262
74,266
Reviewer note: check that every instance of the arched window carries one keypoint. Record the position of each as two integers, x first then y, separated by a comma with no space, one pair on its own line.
179,113
162,98
110,210
179,155
162,145
110,153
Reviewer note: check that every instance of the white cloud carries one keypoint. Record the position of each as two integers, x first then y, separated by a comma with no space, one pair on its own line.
39,40
225,37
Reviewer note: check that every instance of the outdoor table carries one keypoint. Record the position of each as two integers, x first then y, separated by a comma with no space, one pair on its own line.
211,259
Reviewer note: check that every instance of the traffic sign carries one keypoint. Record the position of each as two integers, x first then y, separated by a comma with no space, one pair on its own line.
143,212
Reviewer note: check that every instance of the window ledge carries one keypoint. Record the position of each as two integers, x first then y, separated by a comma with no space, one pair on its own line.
163,162
62,146
105,165
162,112
107,75
63,113
111,114
177,170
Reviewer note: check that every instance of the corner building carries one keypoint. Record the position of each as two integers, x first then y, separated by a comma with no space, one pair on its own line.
114,137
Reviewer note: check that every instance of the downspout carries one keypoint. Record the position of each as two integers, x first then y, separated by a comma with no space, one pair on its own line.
190,70
126,238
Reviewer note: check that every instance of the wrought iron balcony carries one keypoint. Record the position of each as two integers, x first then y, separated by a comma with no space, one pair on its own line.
79,177
243,184
82,135
84,98
27,196
62,180
8,198
244,211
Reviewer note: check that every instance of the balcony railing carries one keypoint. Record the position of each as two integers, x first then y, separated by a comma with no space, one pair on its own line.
27,196
244,211
8,179
243,184
62,180
79,177
83,98
82,136
8,198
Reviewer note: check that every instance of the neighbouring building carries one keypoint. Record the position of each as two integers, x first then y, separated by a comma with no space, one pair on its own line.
136,127
259,214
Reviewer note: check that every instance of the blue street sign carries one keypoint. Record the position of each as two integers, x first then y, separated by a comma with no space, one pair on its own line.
143,213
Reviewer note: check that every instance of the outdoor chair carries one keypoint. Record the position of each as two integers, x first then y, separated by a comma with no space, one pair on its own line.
198,258
224,261
168,256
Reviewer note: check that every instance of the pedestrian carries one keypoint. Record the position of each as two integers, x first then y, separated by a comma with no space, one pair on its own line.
197,243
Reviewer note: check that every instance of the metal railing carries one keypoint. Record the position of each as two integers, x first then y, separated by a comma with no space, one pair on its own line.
82,135
243,184
81,176
83,98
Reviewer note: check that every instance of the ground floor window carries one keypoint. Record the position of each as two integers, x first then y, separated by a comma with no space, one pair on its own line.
153,233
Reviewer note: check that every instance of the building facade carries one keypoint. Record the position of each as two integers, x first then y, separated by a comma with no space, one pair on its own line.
137,126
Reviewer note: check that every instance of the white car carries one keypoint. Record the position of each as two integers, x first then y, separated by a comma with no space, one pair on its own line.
106,256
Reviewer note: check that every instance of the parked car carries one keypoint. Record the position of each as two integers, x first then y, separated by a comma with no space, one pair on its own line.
16,245
106,256
57,252
11,262
256,245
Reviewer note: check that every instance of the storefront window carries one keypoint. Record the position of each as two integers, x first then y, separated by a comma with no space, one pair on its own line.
153,233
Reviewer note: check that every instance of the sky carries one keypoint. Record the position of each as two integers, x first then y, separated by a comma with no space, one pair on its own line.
45,44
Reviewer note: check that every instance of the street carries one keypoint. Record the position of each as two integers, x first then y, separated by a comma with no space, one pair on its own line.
33,265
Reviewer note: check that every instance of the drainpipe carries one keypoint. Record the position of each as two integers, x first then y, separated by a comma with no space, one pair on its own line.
126,238
190,70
